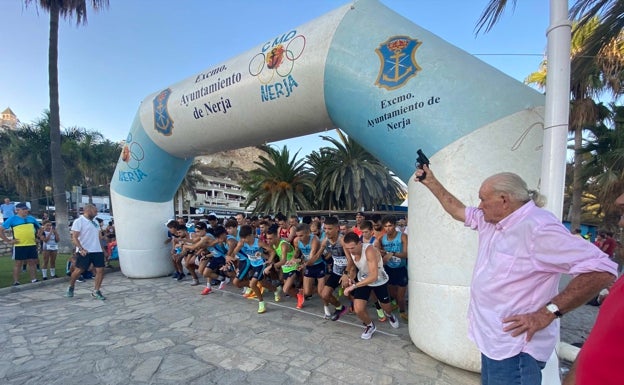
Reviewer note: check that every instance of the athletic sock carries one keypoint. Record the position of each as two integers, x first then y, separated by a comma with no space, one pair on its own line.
52,272
44,273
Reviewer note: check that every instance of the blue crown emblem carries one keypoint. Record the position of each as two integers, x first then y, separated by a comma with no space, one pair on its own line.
162,121
398,63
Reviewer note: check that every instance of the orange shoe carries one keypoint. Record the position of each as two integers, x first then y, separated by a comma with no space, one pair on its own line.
300,300
247,292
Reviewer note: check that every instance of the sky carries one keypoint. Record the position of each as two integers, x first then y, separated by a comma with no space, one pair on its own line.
137,47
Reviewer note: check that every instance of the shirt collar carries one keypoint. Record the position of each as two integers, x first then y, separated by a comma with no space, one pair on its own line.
515,216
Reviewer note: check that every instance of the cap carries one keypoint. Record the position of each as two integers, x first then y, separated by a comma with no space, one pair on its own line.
22,206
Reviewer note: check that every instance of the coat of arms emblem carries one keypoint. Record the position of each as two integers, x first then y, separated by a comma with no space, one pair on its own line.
398,62
162,121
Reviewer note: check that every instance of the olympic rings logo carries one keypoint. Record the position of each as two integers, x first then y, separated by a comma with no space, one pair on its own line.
279,60
132,153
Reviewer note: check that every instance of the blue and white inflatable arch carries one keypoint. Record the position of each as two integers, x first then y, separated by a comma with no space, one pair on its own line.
392,86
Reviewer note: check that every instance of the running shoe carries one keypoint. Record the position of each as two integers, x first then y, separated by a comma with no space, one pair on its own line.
175,275
404,316
45,278
261,307
381,315
16,283
206,291
70,292
328,311
368,331
181,276
34,280
395,305
249,293
222,285
97,295
278,294
338,313
195,282
394,322
300,300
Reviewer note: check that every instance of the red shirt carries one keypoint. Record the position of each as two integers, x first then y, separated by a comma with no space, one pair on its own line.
610,244
600,359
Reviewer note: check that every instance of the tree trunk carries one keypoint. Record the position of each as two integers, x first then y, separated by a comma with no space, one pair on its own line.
56,161
180,205
577,181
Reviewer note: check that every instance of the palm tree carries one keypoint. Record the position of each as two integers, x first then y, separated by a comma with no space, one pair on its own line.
93,156
320,164
610,13
57,9
280,184
189,184
604,165
24,161
585,87
355,179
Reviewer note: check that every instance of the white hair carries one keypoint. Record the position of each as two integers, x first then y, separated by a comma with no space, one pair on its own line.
513,185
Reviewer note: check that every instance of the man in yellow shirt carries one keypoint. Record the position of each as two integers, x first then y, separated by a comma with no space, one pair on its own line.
24,241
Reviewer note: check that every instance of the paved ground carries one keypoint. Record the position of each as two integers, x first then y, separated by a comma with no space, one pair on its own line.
158,331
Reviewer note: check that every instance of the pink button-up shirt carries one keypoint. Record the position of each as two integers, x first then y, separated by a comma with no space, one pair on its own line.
517,271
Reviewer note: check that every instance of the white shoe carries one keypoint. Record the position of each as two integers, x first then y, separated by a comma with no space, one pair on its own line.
328,311
393,320
368,332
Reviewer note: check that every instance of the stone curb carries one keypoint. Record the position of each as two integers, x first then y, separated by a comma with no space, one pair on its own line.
48,282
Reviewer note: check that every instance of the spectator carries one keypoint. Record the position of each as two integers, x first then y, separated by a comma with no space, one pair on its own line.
86,234
25,228
112,253
8,209
609,245
49,238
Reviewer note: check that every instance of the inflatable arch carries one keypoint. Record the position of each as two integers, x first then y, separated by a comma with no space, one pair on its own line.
392,86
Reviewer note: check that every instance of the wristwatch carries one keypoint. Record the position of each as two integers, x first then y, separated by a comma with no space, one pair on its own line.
551,307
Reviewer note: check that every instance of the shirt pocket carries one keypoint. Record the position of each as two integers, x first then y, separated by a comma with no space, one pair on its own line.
501,265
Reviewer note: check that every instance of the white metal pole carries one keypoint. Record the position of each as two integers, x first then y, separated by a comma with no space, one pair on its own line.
557,106
556,120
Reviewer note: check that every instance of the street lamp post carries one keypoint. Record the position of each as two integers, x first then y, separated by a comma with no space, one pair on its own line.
48,189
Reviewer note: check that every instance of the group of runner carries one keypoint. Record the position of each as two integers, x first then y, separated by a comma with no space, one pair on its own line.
324,256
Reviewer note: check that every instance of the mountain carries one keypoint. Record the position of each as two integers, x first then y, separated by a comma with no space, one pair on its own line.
233,164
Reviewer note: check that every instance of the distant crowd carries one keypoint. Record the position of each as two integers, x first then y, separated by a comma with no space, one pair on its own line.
45,240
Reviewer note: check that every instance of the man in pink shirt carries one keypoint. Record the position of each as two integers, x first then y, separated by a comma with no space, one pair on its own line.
523,250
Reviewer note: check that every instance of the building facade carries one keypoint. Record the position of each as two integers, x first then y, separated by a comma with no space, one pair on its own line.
8,120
